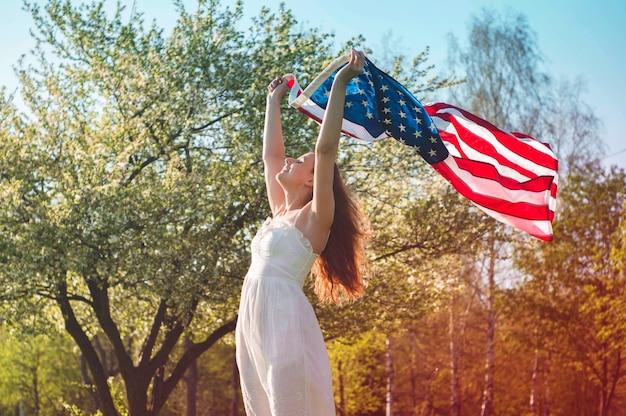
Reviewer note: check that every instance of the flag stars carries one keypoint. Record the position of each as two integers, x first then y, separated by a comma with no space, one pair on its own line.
417,109
402,114
433,139
418,120
387,121
432,153
349,104
369,115
402,102
432,127
360,91
386,110
402,128
384,88
385,100
417,134
365,103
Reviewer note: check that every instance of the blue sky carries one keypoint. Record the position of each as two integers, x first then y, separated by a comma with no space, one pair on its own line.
578,38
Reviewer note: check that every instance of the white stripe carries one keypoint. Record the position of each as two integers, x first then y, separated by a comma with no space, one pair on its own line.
537,145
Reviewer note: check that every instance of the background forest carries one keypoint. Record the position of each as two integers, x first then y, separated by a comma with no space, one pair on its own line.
131,185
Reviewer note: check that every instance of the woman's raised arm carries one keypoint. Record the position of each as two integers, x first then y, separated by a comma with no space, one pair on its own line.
323,203
273,145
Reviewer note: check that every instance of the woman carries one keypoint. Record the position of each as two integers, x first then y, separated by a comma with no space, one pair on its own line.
281,353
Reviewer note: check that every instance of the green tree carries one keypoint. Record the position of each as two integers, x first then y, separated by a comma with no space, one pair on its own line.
359,374
131,183
576,288
39,372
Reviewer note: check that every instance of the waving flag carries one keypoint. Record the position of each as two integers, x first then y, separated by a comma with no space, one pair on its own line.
510,176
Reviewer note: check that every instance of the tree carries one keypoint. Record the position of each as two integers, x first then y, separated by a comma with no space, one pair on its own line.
131,184
577,287
359,374
38,372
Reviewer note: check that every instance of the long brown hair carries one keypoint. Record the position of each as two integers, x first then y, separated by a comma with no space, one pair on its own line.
338,270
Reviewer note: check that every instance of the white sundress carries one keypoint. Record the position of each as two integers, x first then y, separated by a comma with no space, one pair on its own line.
283,361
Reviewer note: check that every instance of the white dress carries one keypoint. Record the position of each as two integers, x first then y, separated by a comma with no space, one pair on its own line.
283,361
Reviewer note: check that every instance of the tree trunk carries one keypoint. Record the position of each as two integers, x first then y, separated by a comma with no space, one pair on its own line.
389,395
36,389
91,357
413,375
534,408
234,398
455,382
191,382
342,398
487,405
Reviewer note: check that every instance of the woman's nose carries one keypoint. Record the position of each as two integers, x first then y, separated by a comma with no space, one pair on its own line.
289,161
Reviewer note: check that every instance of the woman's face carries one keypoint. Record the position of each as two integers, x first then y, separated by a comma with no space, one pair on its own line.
298,171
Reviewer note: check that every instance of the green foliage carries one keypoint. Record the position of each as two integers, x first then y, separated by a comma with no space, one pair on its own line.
41,371
359,377
576,288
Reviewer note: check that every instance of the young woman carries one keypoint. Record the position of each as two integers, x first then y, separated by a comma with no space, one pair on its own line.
316,224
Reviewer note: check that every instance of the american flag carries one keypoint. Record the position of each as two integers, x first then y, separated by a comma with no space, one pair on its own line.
510,176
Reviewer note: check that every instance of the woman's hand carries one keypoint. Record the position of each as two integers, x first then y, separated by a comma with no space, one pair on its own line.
354,66
278,87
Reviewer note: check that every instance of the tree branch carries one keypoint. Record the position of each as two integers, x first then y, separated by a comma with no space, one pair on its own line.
205,126
146,350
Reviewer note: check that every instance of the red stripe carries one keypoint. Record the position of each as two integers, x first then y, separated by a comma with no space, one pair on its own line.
487,171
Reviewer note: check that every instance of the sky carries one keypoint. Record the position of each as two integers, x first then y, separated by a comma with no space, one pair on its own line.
583,39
